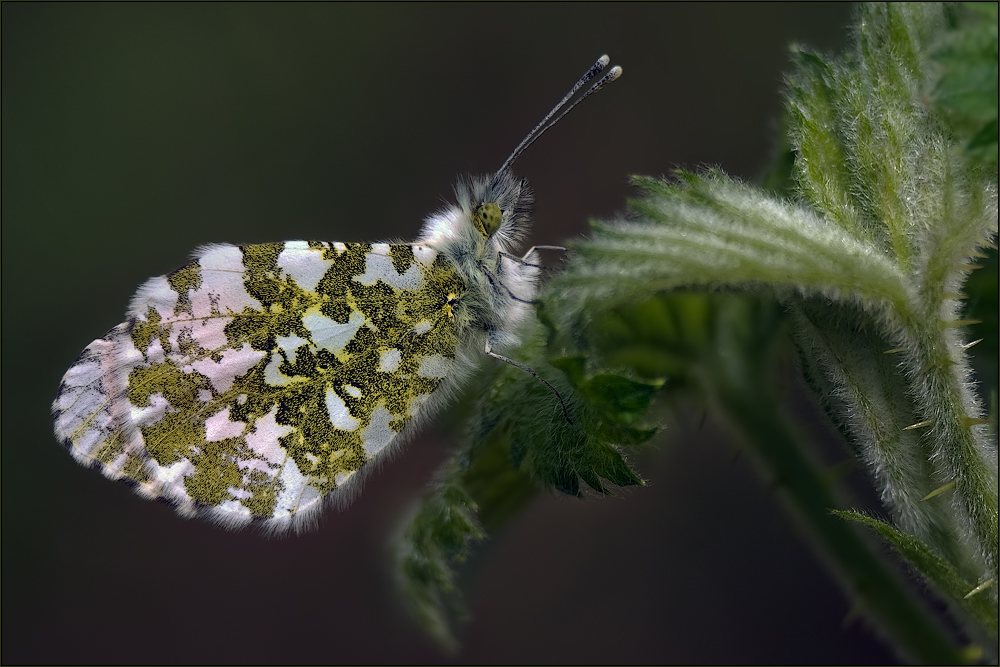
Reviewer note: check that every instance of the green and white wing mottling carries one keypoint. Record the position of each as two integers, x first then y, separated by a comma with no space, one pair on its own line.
256,380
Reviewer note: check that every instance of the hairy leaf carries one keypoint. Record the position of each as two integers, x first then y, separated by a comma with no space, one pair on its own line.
938,572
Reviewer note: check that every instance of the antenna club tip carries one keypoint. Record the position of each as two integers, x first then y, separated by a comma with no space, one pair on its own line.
614,73
603,61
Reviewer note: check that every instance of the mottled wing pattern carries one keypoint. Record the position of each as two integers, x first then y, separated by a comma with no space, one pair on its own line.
257,379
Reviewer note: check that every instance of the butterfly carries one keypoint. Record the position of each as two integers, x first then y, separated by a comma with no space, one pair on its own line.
255,383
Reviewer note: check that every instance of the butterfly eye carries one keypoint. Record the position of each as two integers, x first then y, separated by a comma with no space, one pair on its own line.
487,218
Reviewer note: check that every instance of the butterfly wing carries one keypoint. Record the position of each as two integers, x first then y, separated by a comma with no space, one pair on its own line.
257,380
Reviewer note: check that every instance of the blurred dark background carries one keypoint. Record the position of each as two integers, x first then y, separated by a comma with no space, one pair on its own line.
133,133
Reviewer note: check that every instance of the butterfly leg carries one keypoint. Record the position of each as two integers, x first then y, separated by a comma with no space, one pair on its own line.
496,281
524,260
542,247
523,367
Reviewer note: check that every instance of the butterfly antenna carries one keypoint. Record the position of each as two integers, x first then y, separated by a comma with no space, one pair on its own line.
544,125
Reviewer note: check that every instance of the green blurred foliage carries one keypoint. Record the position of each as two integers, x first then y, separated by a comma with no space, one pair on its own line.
967,87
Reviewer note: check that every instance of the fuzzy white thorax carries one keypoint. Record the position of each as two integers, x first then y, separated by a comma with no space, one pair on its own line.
499,289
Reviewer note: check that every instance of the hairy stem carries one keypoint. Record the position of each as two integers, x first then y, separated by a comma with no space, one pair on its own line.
876,588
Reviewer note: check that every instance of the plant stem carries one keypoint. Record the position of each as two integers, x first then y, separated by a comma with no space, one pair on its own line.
962,456
886,600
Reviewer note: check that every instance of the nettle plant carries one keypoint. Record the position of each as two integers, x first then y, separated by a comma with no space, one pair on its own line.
862,261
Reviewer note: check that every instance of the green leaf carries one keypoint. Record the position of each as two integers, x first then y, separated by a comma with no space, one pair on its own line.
935,571
493,480
821,165
554,454
438,537
712,232
623,399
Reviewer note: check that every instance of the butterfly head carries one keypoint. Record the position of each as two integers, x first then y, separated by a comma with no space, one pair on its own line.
497,207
